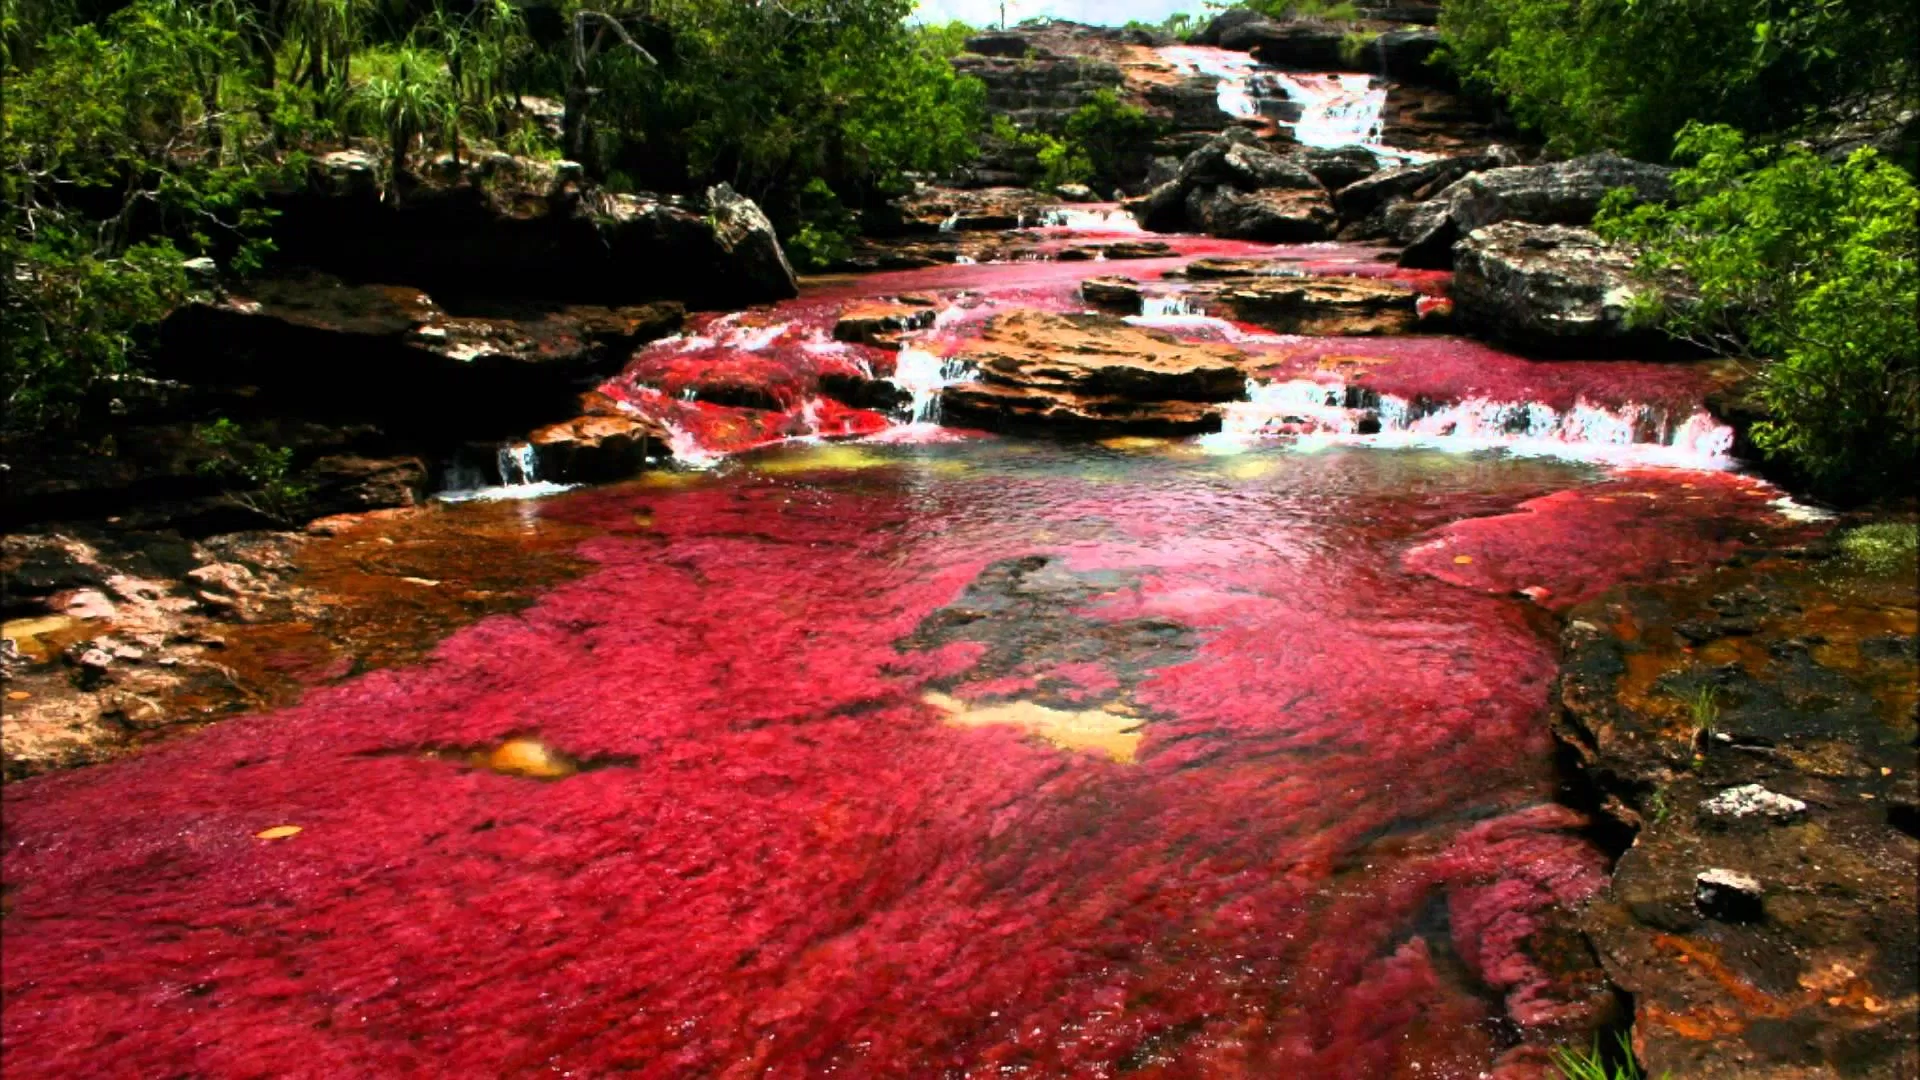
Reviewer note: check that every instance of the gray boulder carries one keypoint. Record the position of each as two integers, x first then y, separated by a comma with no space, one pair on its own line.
1276,215
751,257
1552,289
1364,196
1563,193
1337,169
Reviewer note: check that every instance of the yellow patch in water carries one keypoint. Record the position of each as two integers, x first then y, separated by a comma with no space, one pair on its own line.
671,478
830,456
42,637
528,757
278,832
1462,560
1104,731
1134,442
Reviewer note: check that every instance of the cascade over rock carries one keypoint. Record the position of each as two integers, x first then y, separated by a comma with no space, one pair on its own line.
603,443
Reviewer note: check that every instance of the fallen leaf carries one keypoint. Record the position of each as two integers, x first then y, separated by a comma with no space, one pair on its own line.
278,832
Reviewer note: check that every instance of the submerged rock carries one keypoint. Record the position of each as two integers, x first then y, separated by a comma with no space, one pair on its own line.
1091,375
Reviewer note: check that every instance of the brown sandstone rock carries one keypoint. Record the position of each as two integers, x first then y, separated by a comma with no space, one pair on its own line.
1092,375
1765,932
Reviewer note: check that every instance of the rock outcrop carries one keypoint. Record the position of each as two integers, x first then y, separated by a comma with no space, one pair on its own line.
1091,375
1233,187
1563,193
316,347
1763,918
506,226
1548,288
1320,306
603,443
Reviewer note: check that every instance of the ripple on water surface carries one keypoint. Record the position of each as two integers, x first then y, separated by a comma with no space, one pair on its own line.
948,756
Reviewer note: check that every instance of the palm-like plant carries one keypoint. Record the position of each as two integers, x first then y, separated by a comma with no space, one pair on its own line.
413,102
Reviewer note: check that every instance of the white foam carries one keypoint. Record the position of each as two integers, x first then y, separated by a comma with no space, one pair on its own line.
1316,414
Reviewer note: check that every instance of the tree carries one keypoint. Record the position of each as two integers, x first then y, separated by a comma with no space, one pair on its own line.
1627,74
1806,269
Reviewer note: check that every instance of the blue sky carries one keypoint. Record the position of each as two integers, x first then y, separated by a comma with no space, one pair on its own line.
1111,12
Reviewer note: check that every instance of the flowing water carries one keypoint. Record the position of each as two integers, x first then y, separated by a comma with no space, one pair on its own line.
930,752
1328,110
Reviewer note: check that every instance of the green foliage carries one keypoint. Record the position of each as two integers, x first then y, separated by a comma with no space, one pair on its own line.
137,135
1057,161
1105,128
1594,1064
825,232
1703,711
262,476
124,148
1180,25
417,99
1628,74
1335,11
1806,268
768,96
1884,547
1354,45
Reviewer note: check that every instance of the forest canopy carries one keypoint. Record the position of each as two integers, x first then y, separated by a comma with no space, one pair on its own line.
139,135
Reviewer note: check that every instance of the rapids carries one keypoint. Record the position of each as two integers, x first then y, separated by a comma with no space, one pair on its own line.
931,752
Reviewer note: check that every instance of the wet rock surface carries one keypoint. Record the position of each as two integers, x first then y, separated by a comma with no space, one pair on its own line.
1551,289
115,639
1755,727
1091,375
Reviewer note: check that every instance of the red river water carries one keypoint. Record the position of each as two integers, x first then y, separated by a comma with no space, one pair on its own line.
929,754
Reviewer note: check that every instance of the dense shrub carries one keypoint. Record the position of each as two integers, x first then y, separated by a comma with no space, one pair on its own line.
1806,268
138,135
1627,74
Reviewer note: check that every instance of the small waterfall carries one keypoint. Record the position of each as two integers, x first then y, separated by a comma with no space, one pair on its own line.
1170,305
923,375
1337,413
1234,71
1335,110
519,464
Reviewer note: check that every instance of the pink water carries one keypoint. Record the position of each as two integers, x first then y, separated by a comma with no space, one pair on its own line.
1330,844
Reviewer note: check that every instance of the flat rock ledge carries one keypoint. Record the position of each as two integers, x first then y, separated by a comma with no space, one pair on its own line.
1092,375
1754,729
